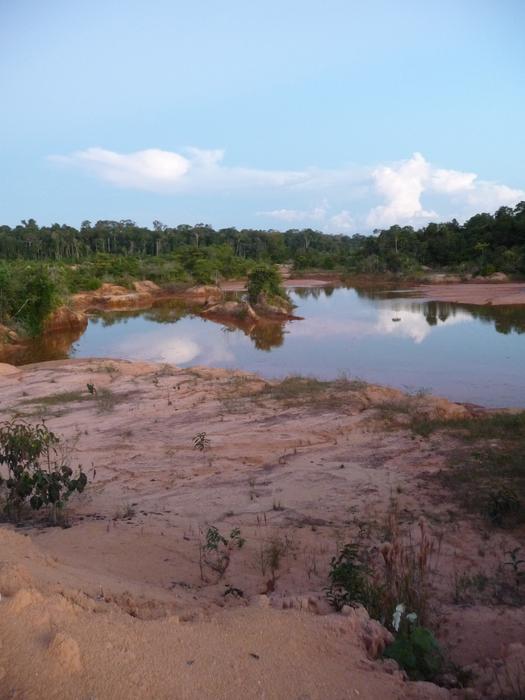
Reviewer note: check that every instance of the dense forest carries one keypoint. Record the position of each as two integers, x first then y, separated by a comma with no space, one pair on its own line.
483,244
41,265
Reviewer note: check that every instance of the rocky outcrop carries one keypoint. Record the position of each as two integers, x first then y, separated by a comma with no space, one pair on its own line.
65,319
278,308
237,310
8,336
444,278
6,369
112,296
496,277
202,294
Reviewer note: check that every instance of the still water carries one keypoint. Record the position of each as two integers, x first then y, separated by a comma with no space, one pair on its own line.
466,353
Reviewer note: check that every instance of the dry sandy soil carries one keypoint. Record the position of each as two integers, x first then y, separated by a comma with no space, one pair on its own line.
122,604
474,293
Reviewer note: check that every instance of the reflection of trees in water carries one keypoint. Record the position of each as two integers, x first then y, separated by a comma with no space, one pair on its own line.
52,346
266,336
313,292
163,313
506,319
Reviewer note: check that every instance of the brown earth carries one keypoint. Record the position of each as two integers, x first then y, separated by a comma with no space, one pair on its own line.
123,604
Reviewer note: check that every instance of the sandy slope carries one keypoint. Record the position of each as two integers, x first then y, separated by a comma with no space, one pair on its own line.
122,607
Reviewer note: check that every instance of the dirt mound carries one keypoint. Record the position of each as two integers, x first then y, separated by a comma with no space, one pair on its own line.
78,649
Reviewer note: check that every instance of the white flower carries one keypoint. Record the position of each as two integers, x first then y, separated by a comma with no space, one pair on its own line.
398,614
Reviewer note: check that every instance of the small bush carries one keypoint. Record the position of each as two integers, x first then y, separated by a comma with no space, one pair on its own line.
35,474
351,582
264,279
417,652
216,550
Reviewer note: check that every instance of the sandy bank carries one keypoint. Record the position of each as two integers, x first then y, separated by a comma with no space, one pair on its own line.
476,293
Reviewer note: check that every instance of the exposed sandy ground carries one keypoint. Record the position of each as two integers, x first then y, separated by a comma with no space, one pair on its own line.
474,293
117,606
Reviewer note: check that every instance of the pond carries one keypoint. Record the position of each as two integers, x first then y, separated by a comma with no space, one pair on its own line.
466,353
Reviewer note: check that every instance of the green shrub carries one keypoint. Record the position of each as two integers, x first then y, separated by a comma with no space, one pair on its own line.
28,294
35,474
264,279
417,652
350,582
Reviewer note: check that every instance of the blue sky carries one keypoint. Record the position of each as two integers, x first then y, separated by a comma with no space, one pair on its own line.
340,115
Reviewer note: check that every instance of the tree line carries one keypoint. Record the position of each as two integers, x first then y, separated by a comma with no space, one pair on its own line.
483,244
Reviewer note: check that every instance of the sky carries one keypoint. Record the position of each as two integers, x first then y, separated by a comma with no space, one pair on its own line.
341,115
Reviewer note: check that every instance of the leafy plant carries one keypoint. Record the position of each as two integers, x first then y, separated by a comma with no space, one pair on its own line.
271,555
216,550
35,473
351,582
201,442
264,279
416,650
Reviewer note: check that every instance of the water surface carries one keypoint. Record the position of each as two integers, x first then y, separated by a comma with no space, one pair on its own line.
466,353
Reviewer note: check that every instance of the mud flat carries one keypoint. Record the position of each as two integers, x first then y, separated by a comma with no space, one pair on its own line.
121,604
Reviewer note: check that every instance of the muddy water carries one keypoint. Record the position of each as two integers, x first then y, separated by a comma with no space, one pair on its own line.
466,353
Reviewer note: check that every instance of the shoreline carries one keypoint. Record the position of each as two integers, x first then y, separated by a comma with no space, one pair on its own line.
479,294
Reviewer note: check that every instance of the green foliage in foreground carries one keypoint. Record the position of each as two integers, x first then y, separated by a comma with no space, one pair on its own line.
350,582
35,474
417,652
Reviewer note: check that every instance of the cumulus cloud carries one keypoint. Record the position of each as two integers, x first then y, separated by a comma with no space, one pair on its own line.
403,184
402,187
411,191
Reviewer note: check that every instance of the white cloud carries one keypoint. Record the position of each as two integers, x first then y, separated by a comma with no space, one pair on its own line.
149,169
412,191
489,196
402,187
289,215
317,214
167,171
452,181
342,221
